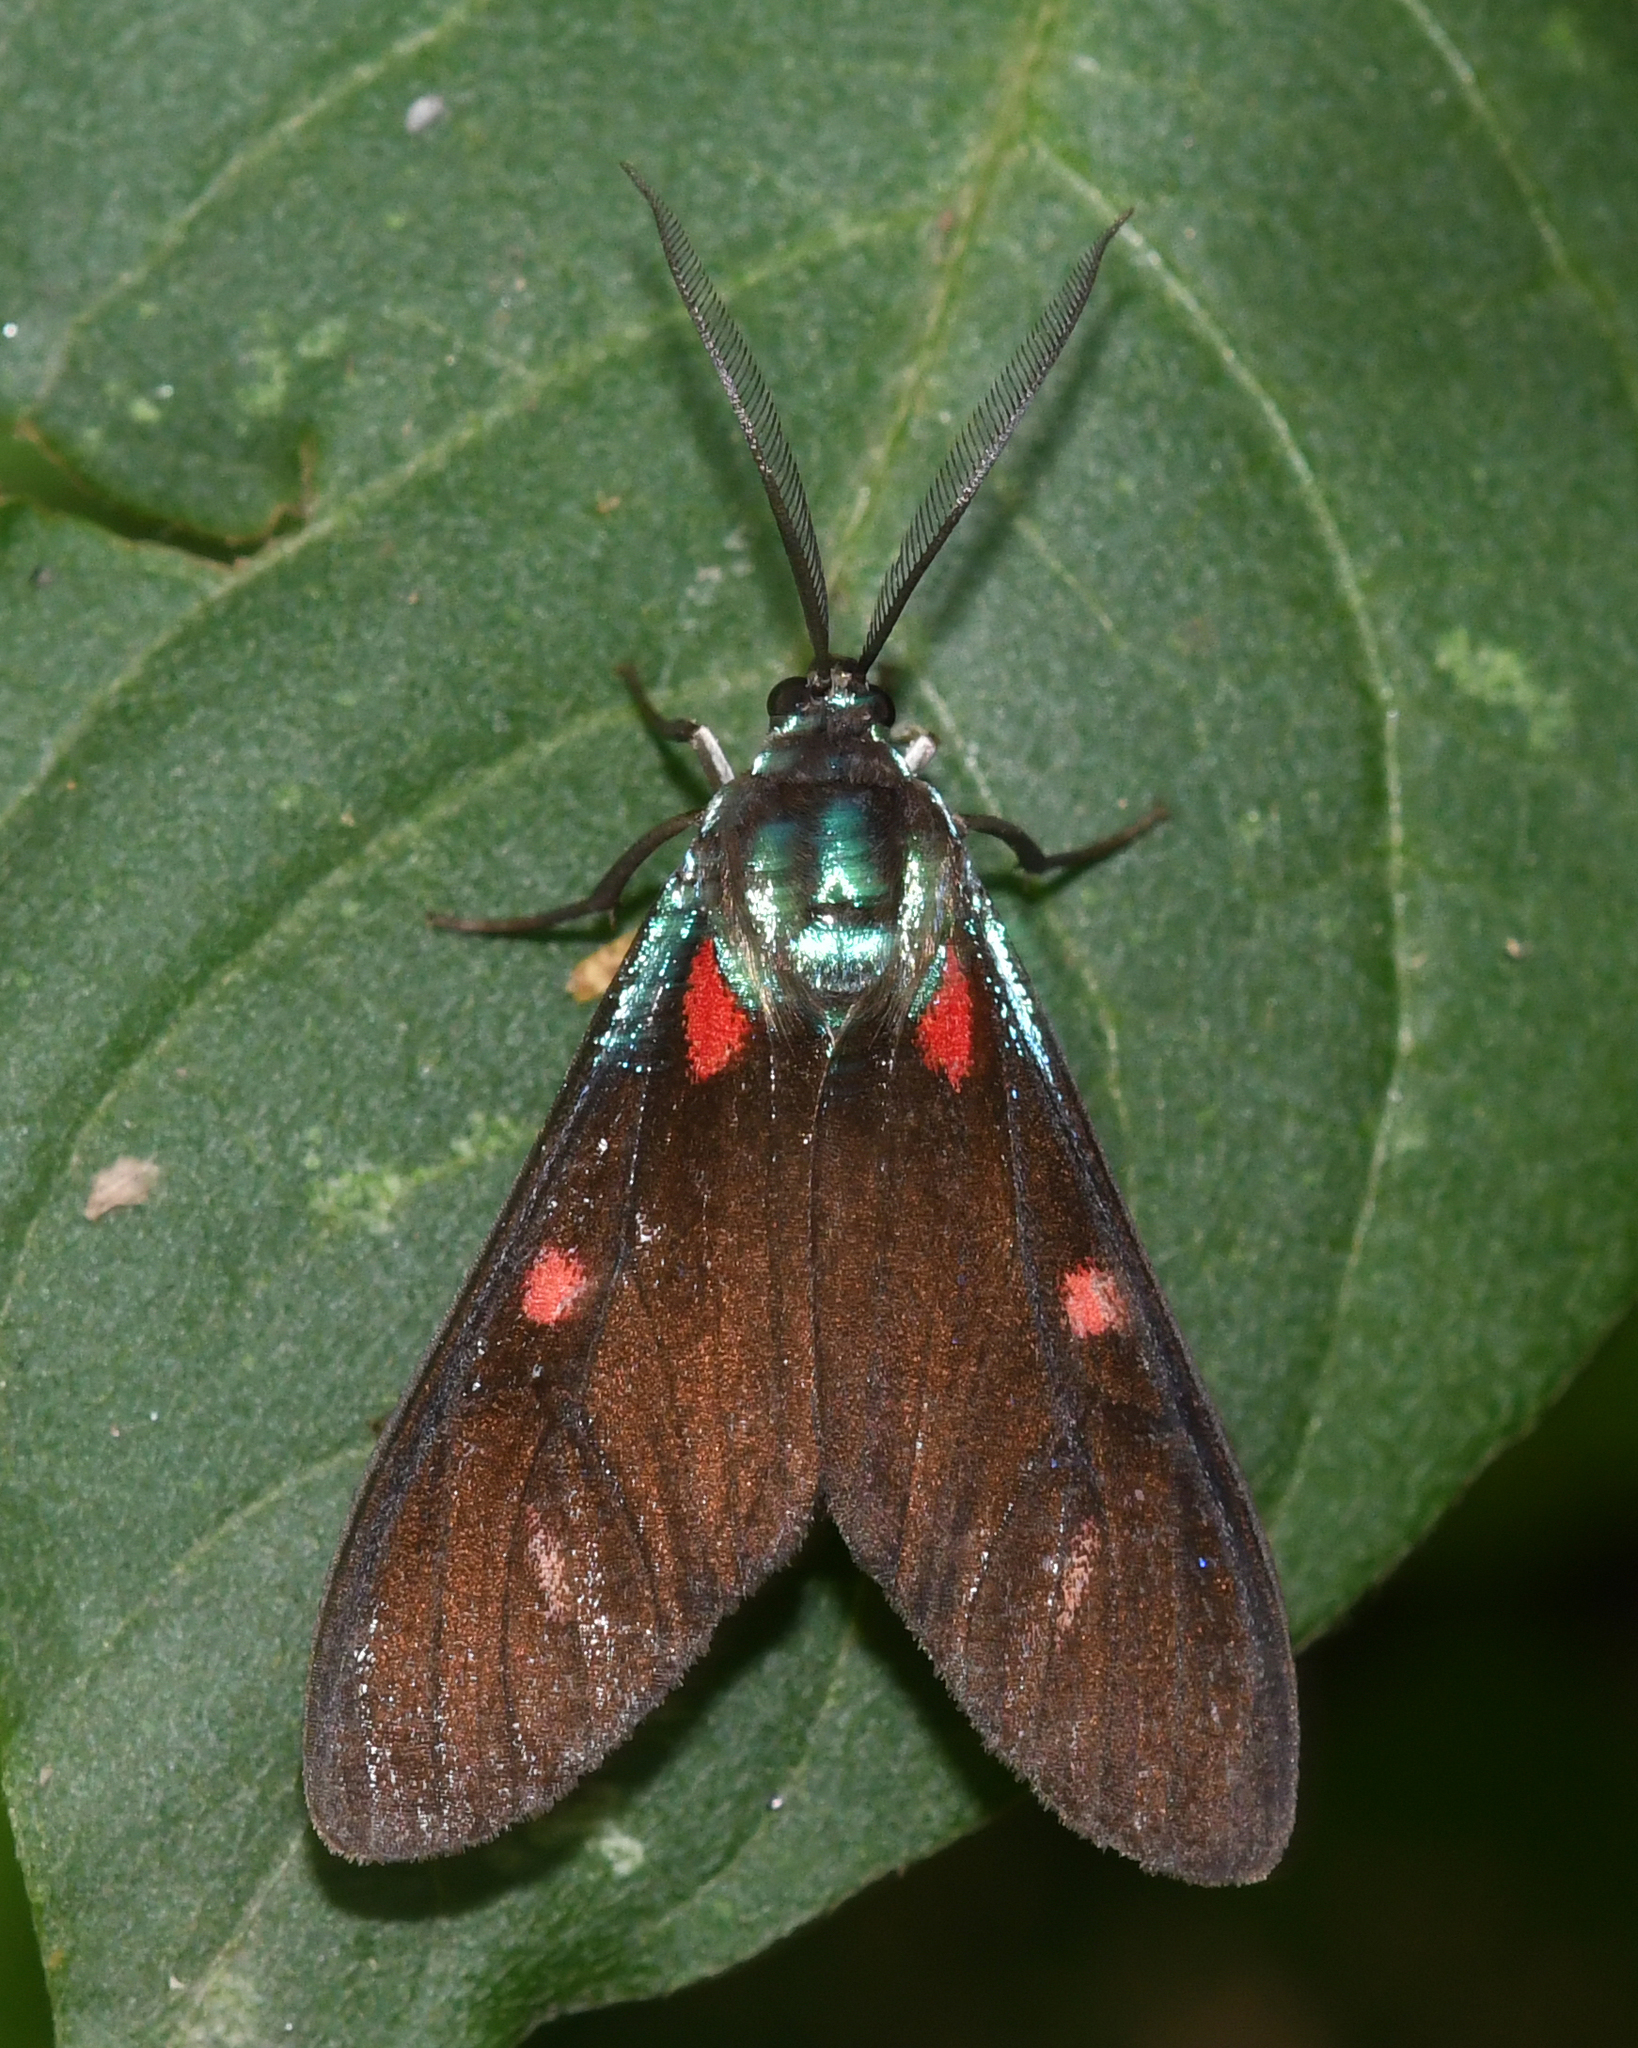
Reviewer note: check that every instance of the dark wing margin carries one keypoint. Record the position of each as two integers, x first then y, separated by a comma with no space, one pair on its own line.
1016,1446
610,1444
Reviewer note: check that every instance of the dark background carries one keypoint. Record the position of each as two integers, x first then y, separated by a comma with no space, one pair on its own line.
1463,1864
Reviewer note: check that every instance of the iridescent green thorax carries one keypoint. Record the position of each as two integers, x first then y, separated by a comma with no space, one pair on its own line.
826,874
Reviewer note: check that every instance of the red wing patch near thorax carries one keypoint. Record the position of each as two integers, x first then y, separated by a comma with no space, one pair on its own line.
553,1285
1092,1300
944,1036
715,1024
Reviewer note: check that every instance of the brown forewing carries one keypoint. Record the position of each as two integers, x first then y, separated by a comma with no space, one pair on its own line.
1056,1514
562,1510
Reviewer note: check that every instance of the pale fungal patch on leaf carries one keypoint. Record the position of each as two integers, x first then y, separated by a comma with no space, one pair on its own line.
266,394
590,977
1498,676
372,1196
322,342
126,1184
228,2010
623,1853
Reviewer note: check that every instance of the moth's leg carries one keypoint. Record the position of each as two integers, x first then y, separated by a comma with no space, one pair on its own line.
718,768
1034,862
605,897
916,747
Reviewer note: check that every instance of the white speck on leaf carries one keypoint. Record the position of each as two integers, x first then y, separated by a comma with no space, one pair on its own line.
423,112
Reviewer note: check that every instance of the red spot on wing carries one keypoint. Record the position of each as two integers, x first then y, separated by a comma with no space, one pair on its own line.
715,1024
945,1032
553,1286
1092,1301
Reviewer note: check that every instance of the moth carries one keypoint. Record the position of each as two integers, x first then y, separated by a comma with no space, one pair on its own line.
818,1221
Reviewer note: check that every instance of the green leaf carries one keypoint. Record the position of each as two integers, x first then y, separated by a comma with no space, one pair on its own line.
1323,534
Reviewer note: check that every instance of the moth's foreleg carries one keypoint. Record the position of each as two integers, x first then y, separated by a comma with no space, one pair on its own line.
605,897
718,768
1034,862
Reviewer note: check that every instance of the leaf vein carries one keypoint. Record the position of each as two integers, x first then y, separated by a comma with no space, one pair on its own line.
1382,690
174,232
194,2013
971,203
795,1778
172,1007
1531,193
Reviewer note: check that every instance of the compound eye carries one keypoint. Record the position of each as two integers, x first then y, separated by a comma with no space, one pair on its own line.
789,697
881,707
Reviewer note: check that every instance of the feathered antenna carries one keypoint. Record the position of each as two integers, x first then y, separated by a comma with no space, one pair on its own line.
981,441
754,409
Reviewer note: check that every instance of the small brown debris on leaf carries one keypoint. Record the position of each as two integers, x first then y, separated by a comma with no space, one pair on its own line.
1516,949
591,976
124,1185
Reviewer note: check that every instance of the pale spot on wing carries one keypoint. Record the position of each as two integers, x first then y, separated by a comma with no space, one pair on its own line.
1079,1565
550,1567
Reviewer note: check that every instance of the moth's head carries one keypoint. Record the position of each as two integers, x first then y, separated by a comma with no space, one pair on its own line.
835,694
